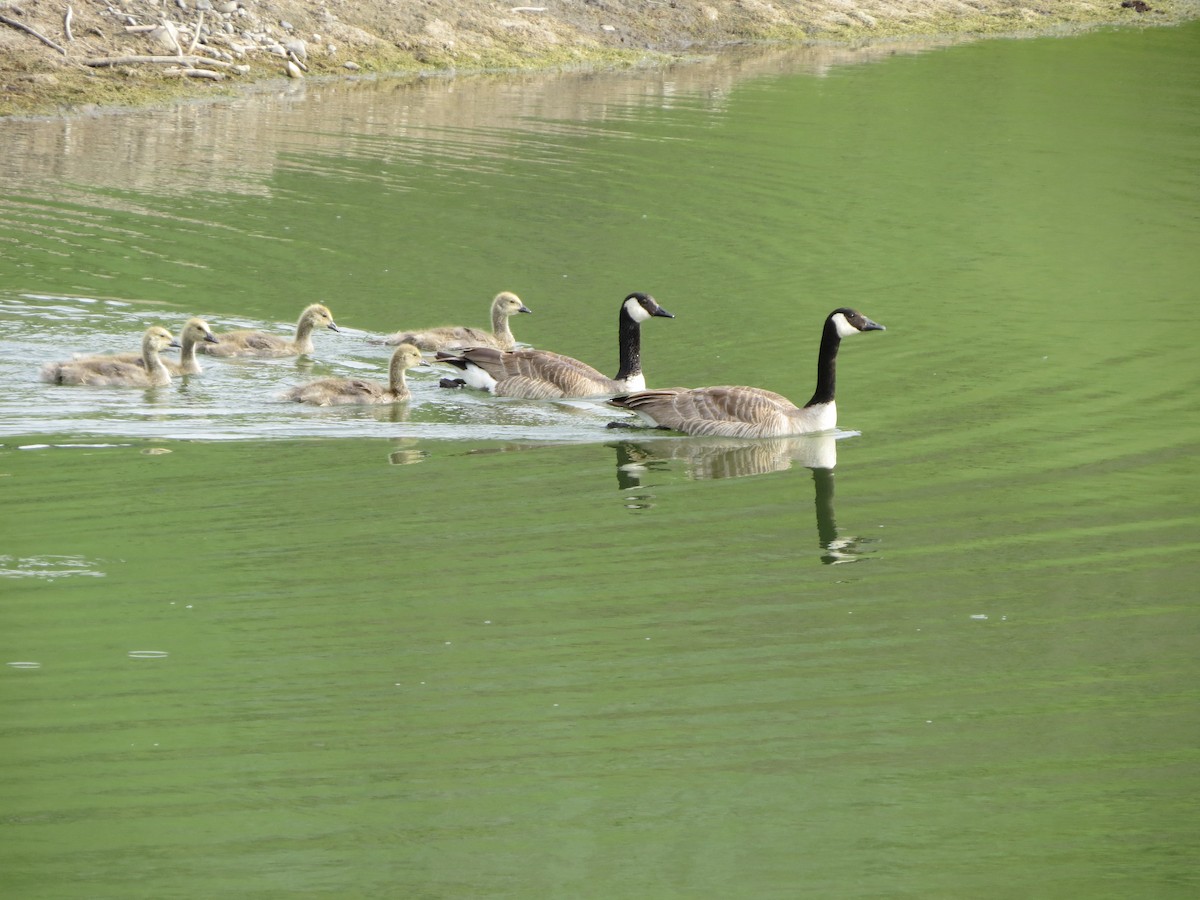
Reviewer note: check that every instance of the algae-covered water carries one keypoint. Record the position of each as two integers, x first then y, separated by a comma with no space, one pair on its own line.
472,647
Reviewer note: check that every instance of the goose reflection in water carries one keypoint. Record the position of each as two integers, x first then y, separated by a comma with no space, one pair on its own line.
706,459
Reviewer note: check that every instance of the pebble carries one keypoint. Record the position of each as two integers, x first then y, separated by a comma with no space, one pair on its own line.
166,36
297,47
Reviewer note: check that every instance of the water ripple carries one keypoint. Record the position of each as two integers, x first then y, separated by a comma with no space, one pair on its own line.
48,566
240,399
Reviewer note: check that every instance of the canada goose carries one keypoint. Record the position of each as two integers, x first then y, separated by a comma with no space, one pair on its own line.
247,342
540,375
457,337
342,391
148,372
750,411
194,331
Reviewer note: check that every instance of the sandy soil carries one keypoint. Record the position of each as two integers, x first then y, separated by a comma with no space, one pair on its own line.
64,55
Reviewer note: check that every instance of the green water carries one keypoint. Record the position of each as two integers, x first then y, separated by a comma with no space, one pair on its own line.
489,648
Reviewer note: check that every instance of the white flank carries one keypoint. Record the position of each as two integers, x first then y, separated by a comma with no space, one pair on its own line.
478,378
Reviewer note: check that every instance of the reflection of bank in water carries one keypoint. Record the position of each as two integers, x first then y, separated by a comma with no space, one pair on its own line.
709,458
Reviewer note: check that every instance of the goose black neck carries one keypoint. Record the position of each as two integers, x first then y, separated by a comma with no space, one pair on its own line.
826,365
826,523
629,344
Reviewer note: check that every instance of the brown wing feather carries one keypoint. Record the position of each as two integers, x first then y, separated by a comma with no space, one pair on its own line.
540,374
724,410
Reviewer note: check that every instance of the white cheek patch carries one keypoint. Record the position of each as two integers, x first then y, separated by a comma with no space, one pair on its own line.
844,328
636,311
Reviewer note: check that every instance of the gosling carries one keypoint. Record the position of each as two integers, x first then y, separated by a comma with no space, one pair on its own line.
194,331
349,391
457,337
149,371
249,343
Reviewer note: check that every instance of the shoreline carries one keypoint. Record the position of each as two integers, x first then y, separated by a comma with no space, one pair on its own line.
96,57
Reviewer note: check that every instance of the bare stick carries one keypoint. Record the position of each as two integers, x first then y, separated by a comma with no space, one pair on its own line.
169,28
67,17
196,39
169,60
13,23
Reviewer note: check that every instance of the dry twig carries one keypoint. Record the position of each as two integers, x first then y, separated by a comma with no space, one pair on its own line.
196,39
21,26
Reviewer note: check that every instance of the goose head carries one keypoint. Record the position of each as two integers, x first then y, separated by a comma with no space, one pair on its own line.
317,314
850,321
408,356
197,330
158,339
639,307
509,304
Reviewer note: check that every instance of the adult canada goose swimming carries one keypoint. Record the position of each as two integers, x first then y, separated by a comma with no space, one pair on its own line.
751,412
247,342
344,391
541,375
194,331
148,372
457,337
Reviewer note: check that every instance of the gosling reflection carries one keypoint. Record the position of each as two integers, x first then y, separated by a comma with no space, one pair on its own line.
731,458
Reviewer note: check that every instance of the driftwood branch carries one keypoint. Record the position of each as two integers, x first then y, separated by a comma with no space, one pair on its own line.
168,60
172,32
199,27
201,73
21,26
67,17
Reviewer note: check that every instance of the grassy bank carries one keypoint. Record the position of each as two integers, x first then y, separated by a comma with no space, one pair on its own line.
147,53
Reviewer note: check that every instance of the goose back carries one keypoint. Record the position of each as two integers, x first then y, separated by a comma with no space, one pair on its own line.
531,374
